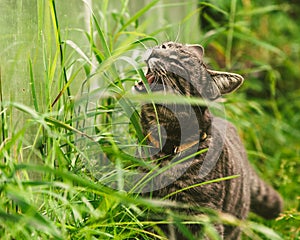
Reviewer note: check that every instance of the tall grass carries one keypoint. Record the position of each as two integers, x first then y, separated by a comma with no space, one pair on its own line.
52,186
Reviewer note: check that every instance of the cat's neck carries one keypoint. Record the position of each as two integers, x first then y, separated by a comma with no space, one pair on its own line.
177,130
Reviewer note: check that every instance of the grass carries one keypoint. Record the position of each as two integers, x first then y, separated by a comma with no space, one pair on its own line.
51,182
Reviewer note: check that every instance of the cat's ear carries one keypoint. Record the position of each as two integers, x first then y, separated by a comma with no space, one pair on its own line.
197,49
225,81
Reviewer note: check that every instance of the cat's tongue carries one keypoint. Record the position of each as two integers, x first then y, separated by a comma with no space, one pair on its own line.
150,78
140,87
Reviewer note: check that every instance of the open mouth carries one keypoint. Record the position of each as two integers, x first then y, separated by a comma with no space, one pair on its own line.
152,82
150,77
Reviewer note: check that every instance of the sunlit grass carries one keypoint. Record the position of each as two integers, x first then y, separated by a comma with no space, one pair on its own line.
47,189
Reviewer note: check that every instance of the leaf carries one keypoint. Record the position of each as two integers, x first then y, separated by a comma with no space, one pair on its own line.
200,184
101,35
138,15
260,43
267,232
30,213
260,10
214,7
80,52
33,89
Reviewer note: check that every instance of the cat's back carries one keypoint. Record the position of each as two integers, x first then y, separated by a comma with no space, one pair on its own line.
235,163
230,139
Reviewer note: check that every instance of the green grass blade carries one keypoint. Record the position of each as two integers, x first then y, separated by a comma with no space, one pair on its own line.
102,38
215,7
201,184
267,232
65,87
56,123
59,44
33,89
79,51
31,214
260,43
4,133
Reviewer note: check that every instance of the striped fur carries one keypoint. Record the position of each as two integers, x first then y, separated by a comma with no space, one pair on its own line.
179,69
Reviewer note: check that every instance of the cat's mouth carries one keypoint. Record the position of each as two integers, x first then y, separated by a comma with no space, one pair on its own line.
150,77
154,83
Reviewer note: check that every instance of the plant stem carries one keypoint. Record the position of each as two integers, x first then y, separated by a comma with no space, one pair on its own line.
2,115
59,44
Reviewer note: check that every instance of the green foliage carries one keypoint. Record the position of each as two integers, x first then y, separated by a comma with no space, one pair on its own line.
79,92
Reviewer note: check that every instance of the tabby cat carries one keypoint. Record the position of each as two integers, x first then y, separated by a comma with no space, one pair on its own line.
176,131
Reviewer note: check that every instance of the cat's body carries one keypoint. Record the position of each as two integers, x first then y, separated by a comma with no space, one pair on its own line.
177,131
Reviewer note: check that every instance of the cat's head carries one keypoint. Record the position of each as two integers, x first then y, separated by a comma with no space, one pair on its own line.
179,68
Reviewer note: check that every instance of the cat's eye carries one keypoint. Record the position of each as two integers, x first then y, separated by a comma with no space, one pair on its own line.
164,46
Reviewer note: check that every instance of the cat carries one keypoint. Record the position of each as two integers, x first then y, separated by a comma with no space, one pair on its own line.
176,131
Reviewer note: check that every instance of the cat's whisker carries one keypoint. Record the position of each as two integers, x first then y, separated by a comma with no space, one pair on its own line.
178,33
174,85
164,85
